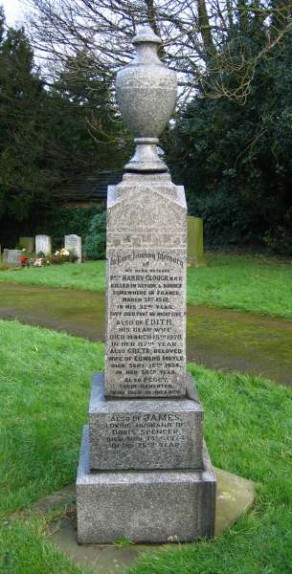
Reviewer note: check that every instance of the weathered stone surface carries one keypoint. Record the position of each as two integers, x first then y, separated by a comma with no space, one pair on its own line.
144,433
146,94
143,472
144,506
142,89
74,242
11,256
43,244
235,495
146,252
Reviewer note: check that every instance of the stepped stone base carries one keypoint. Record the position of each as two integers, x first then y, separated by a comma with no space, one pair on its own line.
144,433
144,506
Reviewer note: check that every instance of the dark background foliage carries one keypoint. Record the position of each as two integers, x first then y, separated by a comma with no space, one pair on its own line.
51,135
70,220
230,144
235,160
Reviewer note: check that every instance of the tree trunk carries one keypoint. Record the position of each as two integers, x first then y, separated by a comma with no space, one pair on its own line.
204,27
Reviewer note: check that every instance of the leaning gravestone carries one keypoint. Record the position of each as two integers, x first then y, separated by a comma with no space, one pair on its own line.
74,243
144,471
43,244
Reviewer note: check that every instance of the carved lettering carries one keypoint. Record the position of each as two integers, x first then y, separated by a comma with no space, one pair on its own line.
124,431
145,323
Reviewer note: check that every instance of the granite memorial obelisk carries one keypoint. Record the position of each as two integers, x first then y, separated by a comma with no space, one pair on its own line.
144,471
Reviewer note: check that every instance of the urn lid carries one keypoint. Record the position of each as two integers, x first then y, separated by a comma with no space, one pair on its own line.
144,35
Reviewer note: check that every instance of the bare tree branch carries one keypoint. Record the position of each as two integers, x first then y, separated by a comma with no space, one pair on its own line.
200,37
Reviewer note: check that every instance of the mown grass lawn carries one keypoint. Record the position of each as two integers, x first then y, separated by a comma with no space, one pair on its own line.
243,282
246,283
45,380
87,276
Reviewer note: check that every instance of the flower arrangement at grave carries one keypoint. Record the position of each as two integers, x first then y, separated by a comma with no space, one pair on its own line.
24,259
60,256
63,256
40,261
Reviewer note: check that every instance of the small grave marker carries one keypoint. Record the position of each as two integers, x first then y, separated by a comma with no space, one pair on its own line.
43,244
195,242
11,256
74,243
27,243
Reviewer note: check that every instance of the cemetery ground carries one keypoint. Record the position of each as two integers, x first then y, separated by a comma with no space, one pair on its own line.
45,381
252,334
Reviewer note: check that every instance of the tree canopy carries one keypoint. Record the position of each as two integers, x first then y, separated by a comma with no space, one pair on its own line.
22,169
231,141
198,35
236,160
85,134
50,133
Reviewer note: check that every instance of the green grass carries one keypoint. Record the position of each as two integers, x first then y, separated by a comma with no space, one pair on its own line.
25,550
45,379
45,382
242,282
248,428
88,276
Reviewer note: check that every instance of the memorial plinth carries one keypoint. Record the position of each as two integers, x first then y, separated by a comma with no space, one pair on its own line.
144,472
146,253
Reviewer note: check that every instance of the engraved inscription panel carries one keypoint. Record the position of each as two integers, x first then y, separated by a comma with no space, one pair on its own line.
145,440
144,430
145,354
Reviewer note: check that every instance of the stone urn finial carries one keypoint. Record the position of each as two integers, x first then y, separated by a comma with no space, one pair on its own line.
146,94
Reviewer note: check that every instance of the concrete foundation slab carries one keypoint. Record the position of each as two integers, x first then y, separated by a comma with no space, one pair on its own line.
235,495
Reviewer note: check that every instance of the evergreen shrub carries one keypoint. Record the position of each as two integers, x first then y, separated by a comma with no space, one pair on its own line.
66,221
95,242
279,238
227,221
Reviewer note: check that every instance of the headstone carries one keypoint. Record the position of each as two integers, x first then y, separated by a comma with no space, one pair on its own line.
5,255
144,470
27,243
11,256
74,243
195,242
43,244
